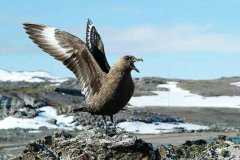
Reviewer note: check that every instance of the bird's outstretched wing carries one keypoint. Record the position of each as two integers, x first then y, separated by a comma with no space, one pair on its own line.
96,47
72,51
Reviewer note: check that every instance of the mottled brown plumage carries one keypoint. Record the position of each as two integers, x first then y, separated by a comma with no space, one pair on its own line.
107,90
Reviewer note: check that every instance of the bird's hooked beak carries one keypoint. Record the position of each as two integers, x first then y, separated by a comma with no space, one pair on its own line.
136,60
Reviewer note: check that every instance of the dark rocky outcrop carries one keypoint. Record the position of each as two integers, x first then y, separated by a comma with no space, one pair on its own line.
90,145
145,86
214,149
15,106
21,99
129,115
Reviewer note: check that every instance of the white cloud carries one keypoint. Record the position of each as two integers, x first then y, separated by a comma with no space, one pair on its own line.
149,39
145,39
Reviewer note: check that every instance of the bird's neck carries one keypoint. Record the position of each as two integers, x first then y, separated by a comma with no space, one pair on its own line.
122,67
121,70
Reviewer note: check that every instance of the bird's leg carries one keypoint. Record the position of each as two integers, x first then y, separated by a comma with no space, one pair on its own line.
95,119
113,123
105,123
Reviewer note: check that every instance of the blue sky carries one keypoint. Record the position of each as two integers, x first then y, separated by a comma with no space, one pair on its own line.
178,39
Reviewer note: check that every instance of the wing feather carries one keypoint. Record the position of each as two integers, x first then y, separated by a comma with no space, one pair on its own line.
73,53
96,47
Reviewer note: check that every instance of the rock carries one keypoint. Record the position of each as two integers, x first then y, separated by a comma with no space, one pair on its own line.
163,89
38,103
145,86
18,97
196,142
74,92
215,148
15,96
52,121
90,144
25,112
43,128
222,138
85,119
19,105
9,105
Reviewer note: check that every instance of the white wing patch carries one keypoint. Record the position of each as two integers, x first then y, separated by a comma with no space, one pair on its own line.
68,49
49,36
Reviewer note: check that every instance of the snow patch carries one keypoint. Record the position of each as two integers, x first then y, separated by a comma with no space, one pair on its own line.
35,76
48,113
158,127
177,97
235,84
65,122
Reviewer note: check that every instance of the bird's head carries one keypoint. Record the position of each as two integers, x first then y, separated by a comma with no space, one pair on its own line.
129,62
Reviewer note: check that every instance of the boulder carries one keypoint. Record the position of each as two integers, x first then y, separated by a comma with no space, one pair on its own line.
91,144
52,121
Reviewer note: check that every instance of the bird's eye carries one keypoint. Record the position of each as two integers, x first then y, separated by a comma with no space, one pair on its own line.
127,58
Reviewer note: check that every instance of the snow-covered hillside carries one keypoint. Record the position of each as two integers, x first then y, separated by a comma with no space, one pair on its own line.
177,97
34,76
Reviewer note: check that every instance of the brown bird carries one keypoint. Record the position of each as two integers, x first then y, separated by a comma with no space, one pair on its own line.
107,90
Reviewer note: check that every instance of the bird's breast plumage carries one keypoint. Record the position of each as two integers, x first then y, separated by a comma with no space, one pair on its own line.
115,93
